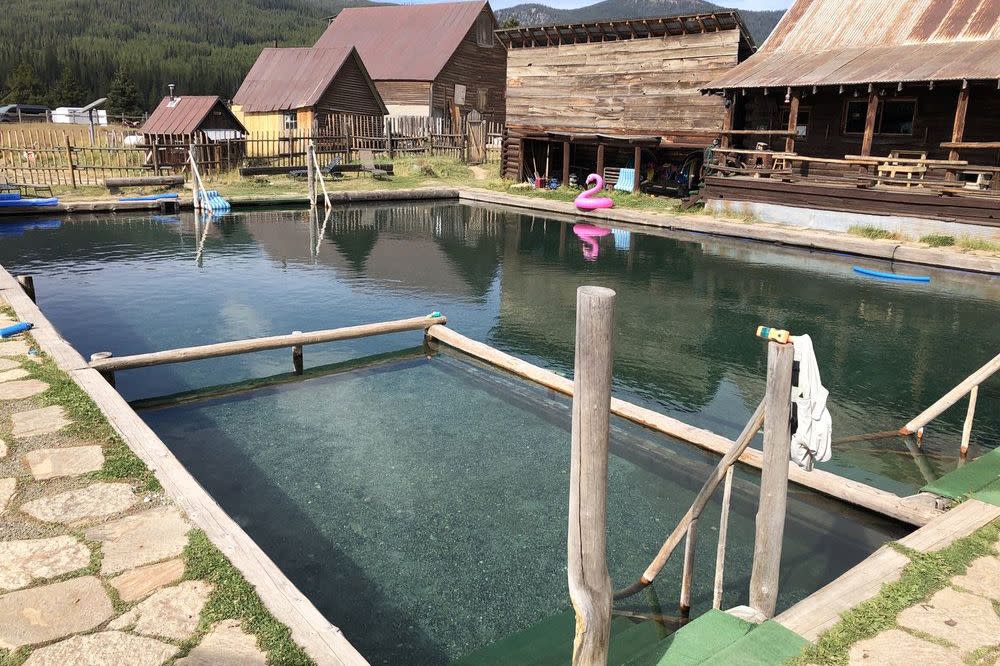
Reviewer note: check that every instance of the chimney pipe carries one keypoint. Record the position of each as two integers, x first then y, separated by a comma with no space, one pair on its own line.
171,87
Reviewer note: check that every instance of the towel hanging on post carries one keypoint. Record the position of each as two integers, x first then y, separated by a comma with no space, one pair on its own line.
812,434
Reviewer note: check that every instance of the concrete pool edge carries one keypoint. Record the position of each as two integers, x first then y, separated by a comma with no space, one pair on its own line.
775,234
322,641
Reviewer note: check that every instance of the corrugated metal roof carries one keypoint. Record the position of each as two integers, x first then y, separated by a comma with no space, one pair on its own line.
180,115
830,42
403,42
290,78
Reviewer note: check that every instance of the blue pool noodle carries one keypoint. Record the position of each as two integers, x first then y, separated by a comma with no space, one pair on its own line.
15,329
891,276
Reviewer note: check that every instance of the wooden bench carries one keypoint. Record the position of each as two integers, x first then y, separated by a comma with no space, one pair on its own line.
114,185
285,170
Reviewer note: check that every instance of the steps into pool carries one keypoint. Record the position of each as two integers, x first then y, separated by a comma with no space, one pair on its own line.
713,639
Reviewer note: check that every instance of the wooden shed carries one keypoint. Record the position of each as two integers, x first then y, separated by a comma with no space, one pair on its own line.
616,94
437,60
869,106
182,119
291,89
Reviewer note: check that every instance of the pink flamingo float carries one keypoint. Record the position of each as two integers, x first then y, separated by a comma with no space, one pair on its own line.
586,200
589,234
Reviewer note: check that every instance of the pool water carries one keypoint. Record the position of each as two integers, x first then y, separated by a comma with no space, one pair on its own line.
424,508
419,498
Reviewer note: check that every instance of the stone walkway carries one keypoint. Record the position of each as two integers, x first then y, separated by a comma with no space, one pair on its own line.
91,572
957,626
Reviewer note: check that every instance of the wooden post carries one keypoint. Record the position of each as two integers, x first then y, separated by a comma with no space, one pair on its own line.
600,160
589,582
687,575
156,157
720,551
958,130
311,172
638,168
793,121
388,137
28,285
565,170
69,162
109,375
969,416
773,480
727,121
869,136
297,360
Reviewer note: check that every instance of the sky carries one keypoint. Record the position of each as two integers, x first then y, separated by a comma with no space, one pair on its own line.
570,4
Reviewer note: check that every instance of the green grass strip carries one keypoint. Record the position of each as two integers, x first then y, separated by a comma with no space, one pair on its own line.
235,599
921,578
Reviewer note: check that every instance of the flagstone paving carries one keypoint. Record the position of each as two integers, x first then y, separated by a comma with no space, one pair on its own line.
53,601
958,626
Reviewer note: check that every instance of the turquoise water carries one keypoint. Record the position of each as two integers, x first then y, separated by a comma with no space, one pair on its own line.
421,502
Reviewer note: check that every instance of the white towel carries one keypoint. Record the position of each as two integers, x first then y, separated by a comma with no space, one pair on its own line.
811,441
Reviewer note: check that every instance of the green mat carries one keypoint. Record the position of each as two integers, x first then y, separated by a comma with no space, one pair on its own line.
705,636
769,644
979,479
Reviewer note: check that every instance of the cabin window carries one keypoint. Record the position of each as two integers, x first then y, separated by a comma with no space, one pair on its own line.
802,122
484,95
460,91
894,117
484,31
290,120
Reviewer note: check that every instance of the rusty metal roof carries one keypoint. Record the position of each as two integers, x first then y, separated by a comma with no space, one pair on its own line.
183,114
830,42
404,42
292,78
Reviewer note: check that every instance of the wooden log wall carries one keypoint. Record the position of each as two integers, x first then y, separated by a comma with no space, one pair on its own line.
631,87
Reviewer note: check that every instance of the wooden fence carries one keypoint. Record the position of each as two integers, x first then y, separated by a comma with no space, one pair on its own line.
73,158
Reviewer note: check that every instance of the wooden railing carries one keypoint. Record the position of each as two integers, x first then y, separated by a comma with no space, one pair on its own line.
968,387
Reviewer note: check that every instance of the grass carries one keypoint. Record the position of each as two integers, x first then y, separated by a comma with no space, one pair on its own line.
923,576
235,599
633,200
872,232
967,243
938,240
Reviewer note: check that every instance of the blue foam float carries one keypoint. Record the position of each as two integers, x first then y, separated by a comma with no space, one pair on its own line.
9,331
891,276
152,197
17,203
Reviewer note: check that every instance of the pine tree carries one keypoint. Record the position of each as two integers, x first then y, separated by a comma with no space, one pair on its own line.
123,96
67,91
23,86
511,23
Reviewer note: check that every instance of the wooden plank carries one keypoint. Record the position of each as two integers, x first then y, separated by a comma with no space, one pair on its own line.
793,121
587,567
958,129
847,490
322,641
770,523
264,344
970,414
869,134
720,551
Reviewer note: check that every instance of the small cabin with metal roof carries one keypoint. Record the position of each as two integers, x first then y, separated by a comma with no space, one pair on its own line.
440,60
605,95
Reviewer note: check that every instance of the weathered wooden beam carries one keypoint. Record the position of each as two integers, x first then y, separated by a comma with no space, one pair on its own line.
952,396
770,523
587,567
869,135
565,166
970,414
638,168
263,344
600,159
793,120
958,129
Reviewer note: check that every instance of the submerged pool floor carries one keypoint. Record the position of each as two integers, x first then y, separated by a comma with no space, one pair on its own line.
421,503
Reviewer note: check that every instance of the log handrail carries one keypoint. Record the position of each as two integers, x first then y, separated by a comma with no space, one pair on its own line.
951,397
182,355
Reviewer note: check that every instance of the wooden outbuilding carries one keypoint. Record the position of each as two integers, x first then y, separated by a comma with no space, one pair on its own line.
606,95
868,106
292,89
439,60
182,119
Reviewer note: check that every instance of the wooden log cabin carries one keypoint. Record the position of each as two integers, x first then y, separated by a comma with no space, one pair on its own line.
295,90
181,119
607,95
870,107
437,60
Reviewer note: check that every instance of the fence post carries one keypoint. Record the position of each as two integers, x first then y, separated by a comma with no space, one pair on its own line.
311,173
589,583
770,521
69,161
388,136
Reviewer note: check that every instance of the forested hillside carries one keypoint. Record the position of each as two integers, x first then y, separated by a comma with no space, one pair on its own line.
203,47
67,52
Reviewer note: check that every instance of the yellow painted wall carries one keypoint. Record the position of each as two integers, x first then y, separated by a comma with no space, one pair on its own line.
270,126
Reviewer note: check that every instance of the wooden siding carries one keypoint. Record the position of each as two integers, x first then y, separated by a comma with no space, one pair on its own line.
632,87
477,68
405,92
349,92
